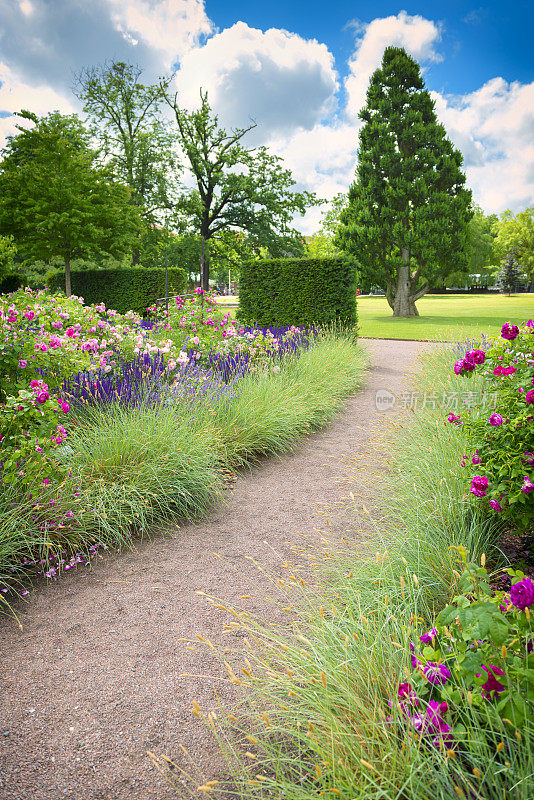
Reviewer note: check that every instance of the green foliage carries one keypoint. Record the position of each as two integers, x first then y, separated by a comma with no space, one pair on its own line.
298,291
7,254
237,188
479,635
407,215
516,231
481,242
31,433
56,202
136,144
134,288
510,273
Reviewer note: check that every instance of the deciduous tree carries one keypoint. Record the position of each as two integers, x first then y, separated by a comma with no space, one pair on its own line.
55,202
237,188
516,231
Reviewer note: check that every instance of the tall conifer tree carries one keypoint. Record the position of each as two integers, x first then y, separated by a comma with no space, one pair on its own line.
408,210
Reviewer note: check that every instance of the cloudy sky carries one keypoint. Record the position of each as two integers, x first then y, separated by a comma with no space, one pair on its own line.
299,70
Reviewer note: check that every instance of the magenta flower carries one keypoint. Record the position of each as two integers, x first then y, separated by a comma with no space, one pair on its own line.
492,684
528,486
479,484
463,366
407,694
437,674
476,459
426,638
475,356
22,363
522,594
529,397
65,407
495,505
454,419
42,397
509,331
496,420
504,370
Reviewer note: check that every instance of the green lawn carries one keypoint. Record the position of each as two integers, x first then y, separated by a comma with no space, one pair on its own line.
452,317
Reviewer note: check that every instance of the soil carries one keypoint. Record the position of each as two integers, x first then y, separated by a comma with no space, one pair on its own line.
93,679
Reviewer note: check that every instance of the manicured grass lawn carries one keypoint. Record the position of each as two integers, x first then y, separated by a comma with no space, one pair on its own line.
450,317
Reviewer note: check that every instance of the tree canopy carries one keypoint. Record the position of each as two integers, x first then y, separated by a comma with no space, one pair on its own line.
408,210
516,232
237,188
54,201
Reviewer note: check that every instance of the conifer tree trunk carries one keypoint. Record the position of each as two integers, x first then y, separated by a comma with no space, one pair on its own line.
404,302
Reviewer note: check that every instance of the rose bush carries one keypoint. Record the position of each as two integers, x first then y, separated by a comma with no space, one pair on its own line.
200,326
478,656
31,433
501,467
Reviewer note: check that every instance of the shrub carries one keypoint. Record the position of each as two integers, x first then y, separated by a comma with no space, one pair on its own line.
298,291
500,467
123,289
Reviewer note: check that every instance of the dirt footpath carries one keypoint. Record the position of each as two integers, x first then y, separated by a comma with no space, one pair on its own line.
92,680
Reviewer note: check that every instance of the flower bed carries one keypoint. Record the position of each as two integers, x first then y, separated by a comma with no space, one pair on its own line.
110,427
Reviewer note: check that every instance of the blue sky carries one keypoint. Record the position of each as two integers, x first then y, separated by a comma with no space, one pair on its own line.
479,41
300,70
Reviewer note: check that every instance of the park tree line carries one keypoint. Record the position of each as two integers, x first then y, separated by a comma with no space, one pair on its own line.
131,185
142,180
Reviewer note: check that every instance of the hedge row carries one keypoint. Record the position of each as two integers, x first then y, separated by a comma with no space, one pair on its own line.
123,289
298,291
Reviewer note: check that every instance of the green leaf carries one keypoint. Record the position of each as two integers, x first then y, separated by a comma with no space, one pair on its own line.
498,630
447,615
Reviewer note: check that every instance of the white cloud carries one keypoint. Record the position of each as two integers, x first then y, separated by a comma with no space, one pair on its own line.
16,95
172,27
417,35
277,78
494,129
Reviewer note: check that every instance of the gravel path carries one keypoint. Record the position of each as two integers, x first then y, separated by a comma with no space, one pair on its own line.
92,680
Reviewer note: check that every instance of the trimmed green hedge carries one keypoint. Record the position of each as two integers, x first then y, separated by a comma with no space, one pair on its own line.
133,288
298,291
